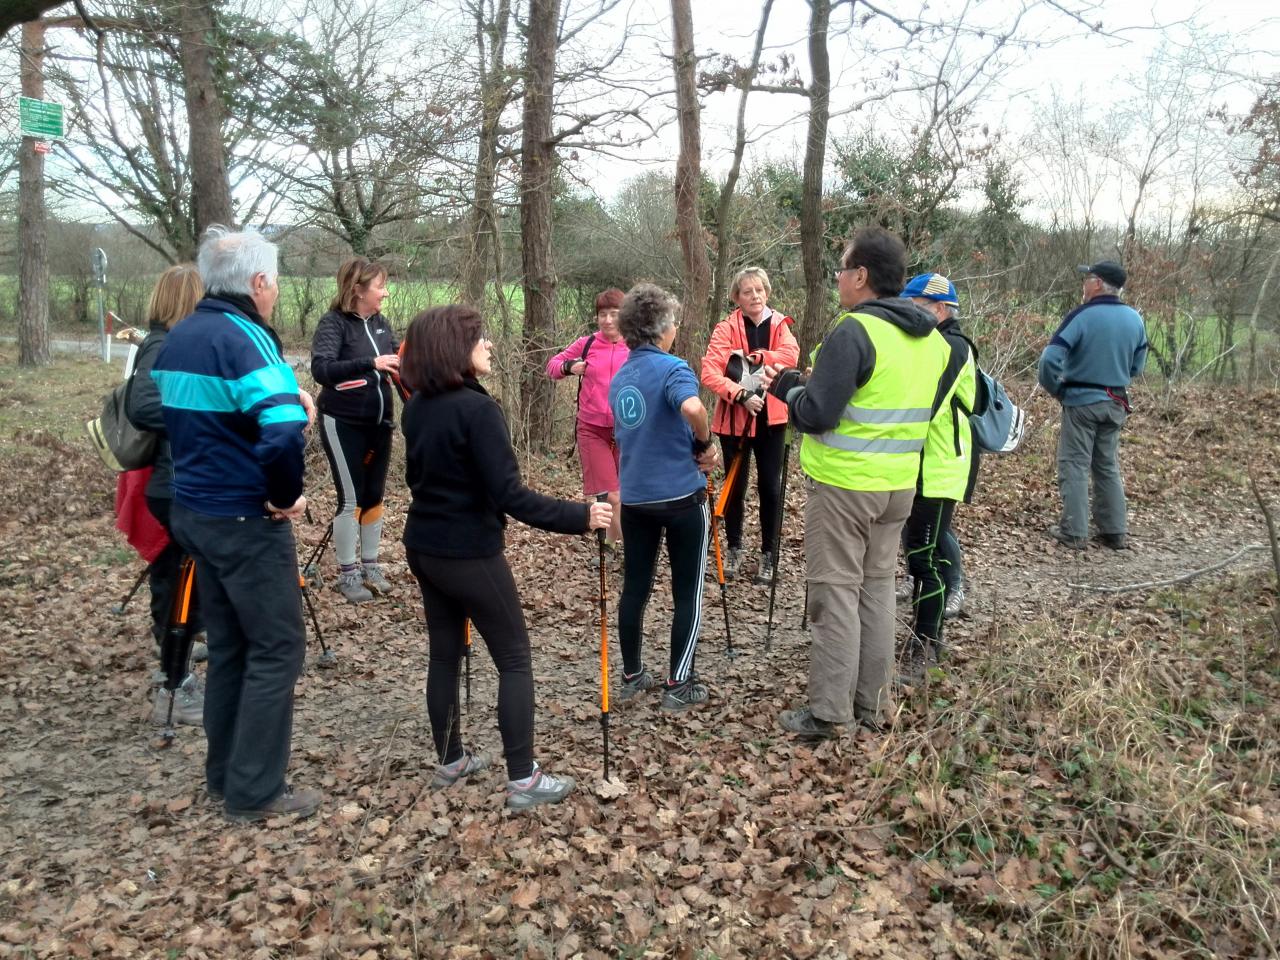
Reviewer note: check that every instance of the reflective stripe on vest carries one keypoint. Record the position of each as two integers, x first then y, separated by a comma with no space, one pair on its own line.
878,442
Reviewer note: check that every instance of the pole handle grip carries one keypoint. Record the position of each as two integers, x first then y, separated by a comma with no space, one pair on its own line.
601,498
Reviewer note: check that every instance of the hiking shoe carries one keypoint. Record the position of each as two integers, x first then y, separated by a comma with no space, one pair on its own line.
350,586
768,568
918,656
447,774
1114,541
906,588
200,648
188,703
805,724
1071,543
631,686
374,579
681,696
537,789
732,561
954,605
290,803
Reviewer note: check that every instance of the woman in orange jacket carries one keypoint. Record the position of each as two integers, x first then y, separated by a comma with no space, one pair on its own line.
746,418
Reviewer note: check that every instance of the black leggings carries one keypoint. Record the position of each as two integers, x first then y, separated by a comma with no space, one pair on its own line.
483,590
358,458
687,523
930,519
767,446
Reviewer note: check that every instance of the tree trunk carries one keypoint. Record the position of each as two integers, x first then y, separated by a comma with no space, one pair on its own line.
817,286
33,263
536,181
724,207
695,266
210,188
483,234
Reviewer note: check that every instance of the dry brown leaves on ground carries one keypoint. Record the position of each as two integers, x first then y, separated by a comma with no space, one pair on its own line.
1084,776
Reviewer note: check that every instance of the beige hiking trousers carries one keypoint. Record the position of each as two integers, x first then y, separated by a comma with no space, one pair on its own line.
851,546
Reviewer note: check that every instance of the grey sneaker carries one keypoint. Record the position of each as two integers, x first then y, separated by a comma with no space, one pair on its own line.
290,803
768,568
538,789
350,586
447,774
804,723
682,696
1068,541
638,684
1114,541
955,604
732,561
375,580
906,588
188,703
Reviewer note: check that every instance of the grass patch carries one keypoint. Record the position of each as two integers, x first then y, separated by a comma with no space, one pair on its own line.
1107,782
55,400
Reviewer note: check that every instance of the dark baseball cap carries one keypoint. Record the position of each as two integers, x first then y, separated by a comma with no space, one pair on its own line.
1108,271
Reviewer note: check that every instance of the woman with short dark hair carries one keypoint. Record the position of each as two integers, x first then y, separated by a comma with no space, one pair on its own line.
353,358
665,441
465,480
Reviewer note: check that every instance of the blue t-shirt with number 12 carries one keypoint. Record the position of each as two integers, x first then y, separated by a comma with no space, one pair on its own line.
655,443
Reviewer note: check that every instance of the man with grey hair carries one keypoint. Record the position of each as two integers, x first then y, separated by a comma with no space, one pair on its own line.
1099,347
235,417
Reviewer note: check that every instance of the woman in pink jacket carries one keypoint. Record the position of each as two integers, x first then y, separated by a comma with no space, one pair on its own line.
746,418
594,359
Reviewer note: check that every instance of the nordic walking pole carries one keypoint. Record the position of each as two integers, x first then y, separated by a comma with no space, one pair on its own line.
123,605
175,649
604,645
466,636
724,591
777,540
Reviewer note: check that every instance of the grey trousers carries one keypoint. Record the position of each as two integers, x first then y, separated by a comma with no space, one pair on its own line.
1089,446
851,546
247,578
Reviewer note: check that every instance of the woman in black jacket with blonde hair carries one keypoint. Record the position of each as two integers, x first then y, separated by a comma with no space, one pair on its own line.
465,480
353,358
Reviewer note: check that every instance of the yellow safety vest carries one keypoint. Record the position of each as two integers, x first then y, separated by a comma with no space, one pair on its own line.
948,450
880,436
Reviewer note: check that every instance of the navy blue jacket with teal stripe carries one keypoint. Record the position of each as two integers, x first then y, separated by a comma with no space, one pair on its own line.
231,410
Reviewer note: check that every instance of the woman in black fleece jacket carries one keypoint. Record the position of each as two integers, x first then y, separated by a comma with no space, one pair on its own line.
464,478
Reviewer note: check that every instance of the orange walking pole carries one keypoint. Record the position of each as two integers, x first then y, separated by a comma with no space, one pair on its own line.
724,591
604,646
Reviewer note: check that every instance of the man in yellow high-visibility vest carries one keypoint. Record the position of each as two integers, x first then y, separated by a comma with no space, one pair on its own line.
864,412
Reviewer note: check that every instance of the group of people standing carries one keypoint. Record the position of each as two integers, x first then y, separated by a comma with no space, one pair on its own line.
886,449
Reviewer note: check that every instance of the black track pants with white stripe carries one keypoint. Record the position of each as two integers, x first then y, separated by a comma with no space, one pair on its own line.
687,525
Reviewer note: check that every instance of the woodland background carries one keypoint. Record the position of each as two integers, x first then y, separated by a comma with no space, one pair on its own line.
1091,773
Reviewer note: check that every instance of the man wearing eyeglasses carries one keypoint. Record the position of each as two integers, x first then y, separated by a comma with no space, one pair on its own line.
1099,347
864,412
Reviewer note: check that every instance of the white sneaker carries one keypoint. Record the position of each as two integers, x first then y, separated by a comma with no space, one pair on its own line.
955,604
537,789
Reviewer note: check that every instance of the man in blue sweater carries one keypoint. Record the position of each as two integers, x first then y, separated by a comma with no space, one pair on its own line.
1099,347
234,416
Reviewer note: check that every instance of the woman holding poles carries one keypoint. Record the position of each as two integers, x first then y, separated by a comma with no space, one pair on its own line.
756,335
174,298
353,358
594,359
665,443
464,478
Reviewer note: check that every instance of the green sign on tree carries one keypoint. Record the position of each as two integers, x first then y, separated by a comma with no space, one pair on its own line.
40,118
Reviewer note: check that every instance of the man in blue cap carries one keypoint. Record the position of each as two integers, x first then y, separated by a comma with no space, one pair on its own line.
948,468
1099,347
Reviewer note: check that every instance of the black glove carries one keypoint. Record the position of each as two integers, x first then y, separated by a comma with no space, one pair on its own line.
784,382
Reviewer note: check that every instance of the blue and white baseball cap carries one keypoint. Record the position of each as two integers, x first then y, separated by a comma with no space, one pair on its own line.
932,286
